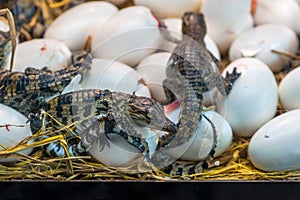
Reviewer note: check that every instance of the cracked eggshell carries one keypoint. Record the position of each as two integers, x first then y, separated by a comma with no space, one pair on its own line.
200,145
170,8
39,53
75,25
253,99
259,41
226,20
114,76
128,36
174,26
289,90
275,146
278,12
10,138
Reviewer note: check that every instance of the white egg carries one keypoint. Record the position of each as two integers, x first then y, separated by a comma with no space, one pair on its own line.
259,41
253,98
200,145
39,53
226,20
174,28
170,8
75,25
111,75
289,90
119,153
12,135
275,146
128,36
152,69
280,12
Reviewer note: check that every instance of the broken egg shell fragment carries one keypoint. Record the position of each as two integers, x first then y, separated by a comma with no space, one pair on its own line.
128,36
39,53
11,135
289,90
252,100
258,42
275,146
74,26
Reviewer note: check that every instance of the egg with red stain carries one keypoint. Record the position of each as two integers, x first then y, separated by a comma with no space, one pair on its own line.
12,131
226,20
128,36
39,53
74,26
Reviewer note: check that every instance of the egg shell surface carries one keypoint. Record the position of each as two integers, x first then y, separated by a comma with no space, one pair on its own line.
252,100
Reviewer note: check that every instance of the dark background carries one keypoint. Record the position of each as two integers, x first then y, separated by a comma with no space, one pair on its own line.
149,190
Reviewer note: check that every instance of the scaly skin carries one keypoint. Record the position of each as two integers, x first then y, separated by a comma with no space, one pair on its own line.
104,112
19,90
189,73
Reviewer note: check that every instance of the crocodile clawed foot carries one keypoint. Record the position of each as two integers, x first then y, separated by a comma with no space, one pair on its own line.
230,78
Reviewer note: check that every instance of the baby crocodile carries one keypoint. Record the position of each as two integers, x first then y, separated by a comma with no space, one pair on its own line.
190,72
100,112
20,90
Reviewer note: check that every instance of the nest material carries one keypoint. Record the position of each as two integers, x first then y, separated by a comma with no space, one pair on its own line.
234,164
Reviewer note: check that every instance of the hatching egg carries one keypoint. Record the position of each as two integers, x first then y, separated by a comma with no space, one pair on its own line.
275,146
111,75
13,130
119,153
3,26
252,100
170,8
280,12
75,25
174,28
226,20
128,36
259,41
289,90
202,142
39,53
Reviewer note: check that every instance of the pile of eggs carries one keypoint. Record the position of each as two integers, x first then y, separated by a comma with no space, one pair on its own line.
130,55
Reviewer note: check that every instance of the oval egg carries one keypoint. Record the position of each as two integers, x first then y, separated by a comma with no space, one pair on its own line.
39,53
276,11
259,41
252,100
275,146
114,76
226,20
75,25
128,36
12,135
170,8
289,90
